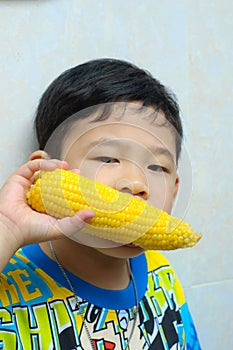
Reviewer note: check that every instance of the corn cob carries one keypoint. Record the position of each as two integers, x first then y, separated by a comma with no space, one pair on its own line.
119,217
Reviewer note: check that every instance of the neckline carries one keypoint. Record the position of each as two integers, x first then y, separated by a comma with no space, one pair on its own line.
109,299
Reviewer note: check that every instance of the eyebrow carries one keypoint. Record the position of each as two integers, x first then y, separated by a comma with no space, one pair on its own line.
162,151
102,141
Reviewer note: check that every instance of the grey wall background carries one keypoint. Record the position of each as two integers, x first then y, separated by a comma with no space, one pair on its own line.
188,46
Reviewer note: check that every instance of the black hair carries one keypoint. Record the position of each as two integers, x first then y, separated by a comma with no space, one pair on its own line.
102,81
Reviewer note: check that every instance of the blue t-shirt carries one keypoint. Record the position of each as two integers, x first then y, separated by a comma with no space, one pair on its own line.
37,308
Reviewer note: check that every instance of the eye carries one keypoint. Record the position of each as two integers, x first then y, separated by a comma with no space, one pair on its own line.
157,168
108,160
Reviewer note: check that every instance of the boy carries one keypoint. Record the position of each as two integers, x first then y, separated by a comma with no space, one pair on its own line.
118,125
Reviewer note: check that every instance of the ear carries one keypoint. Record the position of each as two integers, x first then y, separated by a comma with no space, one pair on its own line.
176,187
39,154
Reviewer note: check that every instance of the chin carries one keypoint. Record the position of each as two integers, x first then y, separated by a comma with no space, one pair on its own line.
122,252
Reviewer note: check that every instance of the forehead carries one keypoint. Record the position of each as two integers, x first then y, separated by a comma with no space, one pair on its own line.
125,121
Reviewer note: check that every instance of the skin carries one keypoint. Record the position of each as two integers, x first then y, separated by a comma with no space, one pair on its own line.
129,151
136,158
19,224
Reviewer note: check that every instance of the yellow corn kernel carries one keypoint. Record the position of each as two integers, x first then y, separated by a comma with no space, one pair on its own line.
119,217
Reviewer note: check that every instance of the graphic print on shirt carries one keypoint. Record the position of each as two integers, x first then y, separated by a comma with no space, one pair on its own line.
28,322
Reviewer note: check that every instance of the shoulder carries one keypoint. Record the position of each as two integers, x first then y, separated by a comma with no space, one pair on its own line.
15,274
162,276
156,260
18,262
22,282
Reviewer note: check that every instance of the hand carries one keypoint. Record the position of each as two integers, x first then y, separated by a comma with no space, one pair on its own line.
19,224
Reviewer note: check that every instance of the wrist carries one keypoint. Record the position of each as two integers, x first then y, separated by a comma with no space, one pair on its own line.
9,233
8,241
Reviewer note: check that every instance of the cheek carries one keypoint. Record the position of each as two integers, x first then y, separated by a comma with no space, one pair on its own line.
99,172
161,193
107,175
86,167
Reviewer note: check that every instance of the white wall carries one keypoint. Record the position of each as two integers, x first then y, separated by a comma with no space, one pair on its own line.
188,45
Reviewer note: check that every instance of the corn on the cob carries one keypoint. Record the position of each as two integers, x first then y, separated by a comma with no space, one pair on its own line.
119,217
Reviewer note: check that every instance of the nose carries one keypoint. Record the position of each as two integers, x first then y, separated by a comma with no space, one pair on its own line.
134,182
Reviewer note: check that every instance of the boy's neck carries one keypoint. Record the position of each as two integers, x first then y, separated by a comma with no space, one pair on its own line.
90,265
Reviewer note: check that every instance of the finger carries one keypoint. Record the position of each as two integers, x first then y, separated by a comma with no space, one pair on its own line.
39,154
76,171
28,169
69,226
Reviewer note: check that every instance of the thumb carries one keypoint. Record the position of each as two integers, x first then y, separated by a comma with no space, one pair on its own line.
71,225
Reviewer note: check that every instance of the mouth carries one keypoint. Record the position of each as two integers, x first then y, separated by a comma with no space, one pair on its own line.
130,245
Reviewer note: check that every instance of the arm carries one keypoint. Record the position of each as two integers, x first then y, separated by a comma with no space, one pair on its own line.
7,247
19,224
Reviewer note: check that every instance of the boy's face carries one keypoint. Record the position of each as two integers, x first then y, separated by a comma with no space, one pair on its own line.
130,151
